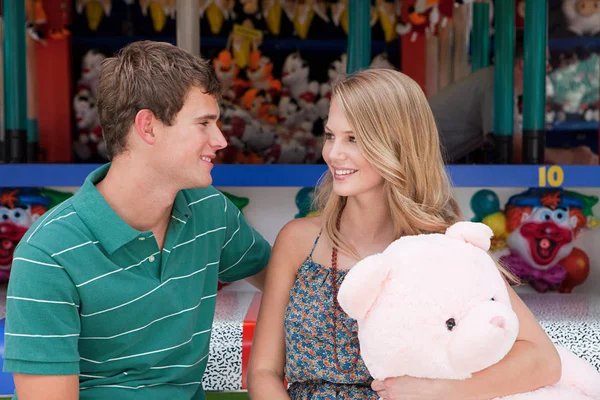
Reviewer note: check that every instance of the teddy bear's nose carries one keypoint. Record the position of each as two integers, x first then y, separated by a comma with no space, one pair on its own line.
498,321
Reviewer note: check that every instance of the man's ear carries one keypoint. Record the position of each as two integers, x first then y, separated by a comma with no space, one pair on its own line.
363,284
144,125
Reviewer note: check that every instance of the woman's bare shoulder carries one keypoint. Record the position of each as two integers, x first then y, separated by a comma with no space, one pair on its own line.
298,236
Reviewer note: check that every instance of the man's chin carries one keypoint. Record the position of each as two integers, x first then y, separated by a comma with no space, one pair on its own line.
201,183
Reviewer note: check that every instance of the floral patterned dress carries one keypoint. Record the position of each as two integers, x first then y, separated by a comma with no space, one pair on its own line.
322,350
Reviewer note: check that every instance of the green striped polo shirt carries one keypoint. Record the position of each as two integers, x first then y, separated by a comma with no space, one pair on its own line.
90,295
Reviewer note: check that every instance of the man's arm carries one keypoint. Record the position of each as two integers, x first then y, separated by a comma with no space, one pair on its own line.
42,327
258,280
36,387
245,252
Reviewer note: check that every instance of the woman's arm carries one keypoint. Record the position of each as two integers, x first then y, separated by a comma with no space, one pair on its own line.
532,363
267,359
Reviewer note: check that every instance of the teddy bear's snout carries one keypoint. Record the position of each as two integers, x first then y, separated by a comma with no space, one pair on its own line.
482,337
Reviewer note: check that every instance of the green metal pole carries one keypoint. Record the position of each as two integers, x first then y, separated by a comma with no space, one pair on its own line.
15,82
359,35
534,78
480,36
504,97
32,106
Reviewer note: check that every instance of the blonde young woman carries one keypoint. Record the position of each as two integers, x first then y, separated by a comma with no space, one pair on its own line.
386,178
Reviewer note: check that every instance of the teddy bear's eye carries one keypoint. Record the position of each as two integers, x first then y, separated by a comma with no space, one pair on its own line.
493,299
450,324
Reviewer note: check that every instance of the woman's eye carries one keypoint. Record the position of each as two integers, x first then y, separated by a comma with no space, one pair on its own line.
352,139
328,136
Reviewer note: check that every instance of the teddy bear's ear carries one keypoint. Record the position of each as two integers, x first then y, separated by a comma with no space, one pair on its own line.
475,233
363,285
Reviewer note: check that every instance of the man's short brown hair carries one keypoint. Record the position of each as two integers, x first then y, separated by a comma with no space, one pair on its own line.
148,75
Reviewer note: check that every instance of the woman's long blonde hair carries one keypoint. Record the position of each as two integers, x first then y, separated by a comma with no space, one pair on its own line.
396,132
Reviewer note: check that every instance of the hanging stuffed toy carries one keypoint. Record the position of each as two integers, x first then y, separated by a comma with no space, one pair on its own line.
90,70
89,145
160,10
381,61
260,74
249,7
227,73
94,11
592,113
36,17
336,70
339,14
302,12
295,79
583,16
435,306
575,86
421,19
243,41
387,12
271,11
217,11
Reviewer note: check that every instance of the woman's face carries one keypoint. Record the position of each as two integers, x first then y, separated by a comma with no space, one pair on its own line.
352,173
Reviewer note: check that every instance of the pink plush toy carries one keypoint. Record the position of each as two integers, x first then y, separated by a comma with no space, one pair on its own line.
436,306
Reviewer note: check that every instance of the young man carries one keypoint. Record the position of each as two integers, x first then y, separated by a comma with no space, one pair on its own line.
113,292
464,112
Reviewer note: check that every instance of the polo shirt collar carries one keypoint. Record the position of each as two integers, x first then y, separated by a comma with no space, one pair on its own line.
181,208
105,224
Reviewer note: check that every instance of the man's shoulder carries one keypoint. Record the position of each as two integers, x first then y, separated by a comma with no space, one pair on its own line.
51,228
198,196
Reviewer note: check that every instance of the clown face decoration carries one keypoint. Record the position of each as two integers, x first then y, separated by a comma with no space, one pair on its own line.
535,235
545,236
18,211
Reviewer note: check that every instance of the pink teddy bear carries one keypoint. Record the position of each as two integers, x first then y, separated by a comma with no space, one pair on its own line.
436,306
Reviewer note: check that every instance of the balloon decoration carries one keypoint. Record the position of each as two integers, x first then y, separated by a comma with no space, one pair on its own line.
239,202
304,202
536,232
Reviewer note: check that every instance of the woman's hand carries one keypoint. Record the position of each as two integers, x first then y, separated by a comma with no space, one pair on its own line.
409,388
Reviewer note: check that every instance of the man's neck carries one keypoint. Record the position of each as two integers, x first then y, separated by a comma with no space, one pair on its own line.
135,194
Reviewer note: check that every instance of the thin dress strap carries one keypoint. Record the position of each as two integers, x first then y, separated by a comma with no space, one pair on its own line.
315,245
